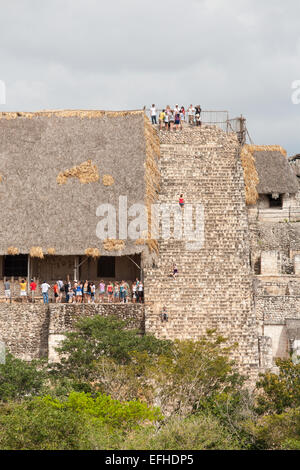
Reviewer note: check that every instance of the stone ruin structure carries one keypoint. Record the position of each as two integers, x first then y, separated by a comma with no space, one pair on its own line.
243,277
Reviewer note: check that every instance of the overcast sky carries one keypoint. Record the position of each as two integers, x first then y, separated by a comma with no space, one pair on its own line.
235,55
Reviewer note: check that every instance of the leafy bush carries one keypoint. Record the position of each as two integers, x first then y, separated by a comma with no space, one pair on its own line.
80,422
103,336
279,392
125,415
19,378
34,425
278,431
193,433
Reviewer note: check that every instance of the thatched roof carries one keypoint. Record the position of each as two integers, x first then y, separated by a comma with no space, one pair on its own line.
57,167
267,171
295,163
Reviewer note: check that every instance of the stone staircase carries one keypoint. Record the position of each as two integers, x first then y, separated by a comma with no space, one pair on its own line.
214,284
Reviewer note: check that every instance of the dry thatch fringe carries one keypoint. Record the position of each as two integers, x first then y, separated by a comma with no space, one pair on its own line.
92,252
113,245
86,172
89,114
250,175
12,250
51,251
152,175
266,148
150,242
108,180
36,252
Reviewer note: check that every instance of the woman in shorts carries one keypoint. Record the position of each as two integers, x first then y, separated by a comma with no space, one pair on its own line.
79,293
116,292
55,290
101,291
110,291
23,291
181,201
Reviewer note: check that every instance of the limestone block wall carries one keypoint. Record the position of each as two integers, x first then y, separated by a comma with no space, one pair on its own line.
32,331
24,329
64,316
273,313
214,285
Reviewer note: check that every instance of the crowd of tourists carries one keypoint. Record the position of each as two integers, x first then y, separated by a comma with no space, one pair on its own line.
173,118
81,291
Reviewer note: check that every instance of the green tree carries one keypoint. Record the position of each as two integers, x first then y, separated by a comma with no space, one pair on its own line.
19,378
98,337
277,431
279,392
78,422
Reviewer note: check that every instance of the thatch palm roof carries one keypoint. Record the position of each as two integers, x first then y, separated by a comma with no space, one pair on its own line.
267,171
53,166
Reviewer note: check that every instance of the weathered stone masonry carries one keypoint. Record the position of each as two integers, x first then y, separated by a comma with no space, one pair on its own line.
32,331
214,285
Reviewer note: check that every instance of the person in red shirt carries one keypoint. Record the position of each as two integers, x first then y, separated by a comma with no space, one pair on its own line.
33,287
181,201
55,290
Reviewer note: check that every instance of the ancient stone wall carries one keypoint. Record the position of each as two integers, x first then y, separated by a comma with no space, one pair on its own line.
214,285
32,331
24,329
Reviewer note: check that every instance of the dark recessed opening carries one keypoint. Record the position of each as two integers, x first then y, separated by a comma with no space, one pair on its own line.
106,266
15,266
275,203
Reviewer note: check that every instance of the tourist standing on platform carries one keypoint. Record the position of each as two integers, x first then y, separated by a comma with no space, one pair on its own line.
166,119
181,201
171,119
110,291
56,290
182,116
191,114
161,119
177,118
7,291
33,287
67,287
116,292
23,291
153,114
134,287
45,289
101,291
141,293
79,293
85,291
197,115
93,292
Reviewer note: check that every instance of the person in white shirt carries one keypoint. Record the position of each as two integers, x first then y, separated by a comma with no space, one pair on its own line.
45,288
153,114
191,114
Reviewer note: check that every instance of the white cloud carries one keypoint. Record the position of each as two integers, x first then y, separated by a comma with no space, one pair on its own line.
240,55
